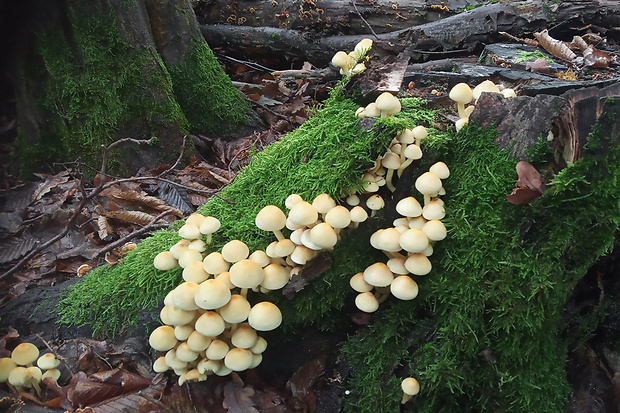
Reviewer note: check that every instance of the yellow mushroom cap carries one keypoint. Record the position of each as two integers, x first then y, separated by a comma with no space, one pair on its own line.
410,386
165,261
367,302
236,310
303,213
404,288
25,354
183,296
6,365
378,274
270,218
48,361
418,264
210,324
235,250
163,338
244,336
217,350
388,104
265,316
52,373
246,274
238,359
209,225
461,93
212,294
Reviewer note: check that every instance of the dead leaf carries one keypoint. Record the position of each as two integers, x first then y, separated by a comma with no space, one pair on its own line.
529,184
237,398
554,46
12,248
537,66
147,200
313,269
51,181
134,217
105,229
596,58
568,75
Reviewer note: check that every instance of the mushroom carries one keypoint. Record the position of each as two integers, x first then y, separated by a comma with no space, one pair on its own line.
238,359
344,62
391,162
165,261
367,302
25,354
244,336
6,365
378,275
236,250
409,207
163,338
208,226
210,324
485,86
411,153
265,316
462,94
211,294
271,218
404,288
429,185
410,387
419,133
362,48
48,361
388,104
189,232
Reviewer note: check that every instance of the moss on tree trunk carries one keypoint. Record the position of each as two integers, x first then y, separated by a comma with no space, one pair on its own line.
92,73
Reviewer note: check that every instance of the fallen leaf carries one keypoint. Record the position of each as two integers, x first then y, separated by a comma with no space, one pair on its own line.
51,181
529,184
554,46
537,66
134,217
596,58
238,398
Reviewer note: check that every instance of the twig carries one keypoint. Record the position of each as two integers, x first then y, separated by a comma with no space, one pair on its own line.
131,235
167,171
364,20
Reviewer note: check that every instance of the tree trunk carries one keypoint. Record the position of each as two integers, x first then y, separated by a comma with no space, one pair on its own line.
94,72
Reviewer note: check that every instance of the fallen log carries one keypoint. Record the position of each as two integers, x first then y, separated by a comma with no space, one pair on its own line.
460,33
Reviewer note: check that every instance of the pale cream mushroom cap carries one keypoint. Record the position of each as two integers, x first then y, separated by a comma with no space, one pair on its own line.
371,111
217,350
405,136
48,361
378,274
388,104
485,86
212,294
435,230
283,248
18,377
179,247
302,254
165,261
342,60
509,93
367,302
214,263
225,278
197,342
276,277
410,386
358,214
187,256
428,183
404,288
353,200
51,373
260,346
374,238
389,240
409,207
238,359
184,353
207,366
260,257
237,309
413,240
417,222
195,219
271,218
246,274
306,240
256,360
296,236
440,169
235,250
210,324
434,210
244,336
25,354
265,316
183,332
418,264
183,296
173,361
291,200
197,245
338,217
412,151
6,365
359,284
163,338
461,93
397,265
303,213
323,203
160,366
420,132
323,235
362,47
195,272
209,225
177,316
189,231
191,376
375,202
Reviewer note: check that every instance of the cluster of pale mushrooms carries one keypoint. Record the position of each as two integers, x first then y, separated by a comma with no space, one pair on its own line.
351,63
462,94
19,372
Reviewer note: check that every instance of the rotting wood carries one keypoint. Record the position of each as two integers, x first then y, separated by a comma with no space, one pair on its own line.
467,30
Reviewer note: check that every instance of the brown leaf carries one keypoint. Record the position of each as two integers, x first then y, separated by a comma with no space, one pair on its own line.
596,58
554,46
537,66
147,200
135,217
237,398
300,384
13,248
51,182
313,269
105,229
529,184
568,75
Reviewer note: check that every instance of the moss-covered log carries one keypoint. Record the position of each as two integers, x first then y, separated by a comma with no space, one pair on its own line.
484,334
87,74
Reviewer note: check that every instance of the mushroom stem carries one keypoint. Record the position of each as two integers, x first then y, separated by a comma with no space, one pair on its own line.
36,386
209,238
278,234
461,109
388,180
427,199
405,399
404,165
244,292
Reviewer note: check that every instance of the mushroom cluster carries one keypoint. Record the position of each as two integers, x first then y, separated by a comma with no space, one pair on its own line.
385,105
351,63
462,94
19,372
407,244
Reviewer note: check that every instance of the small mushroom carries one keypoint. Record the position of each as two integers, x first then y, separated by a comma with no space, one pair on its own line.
388,104
410,387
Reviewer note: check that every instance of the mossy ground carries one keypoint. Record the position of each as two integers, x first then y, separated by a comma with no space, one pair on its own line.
483,335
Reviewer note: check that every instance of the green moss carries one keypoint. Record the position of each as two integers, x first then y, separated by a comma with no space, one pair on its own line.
96,88
484,334
328,153
205,94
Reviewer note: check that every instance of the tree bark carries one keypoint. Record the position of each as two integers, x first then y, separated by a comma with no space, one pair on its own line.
464,31
91,73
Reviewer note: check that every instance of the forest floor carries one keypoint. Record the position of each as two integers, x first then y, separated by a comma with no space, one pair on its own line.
31,212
